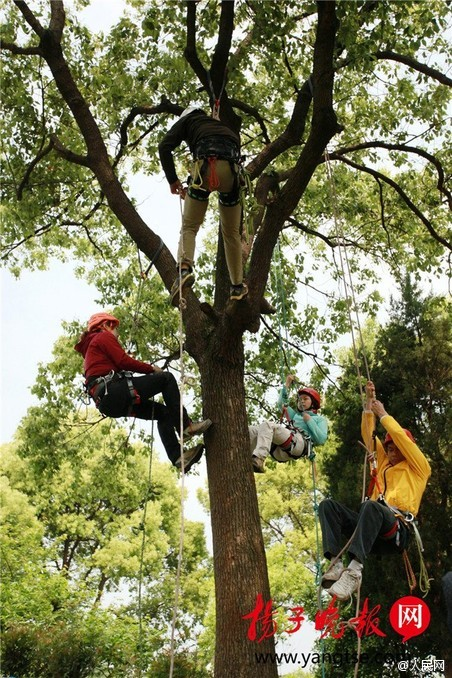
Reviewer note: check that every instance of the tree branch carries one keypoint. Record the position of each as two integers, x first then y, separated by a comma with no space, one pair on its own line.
408,149
190,51
68,154
310,231
30,18
254,113
401,192
324,126
15,49
45,151
57,19
415,65
165,106
10,248
292,135
218,69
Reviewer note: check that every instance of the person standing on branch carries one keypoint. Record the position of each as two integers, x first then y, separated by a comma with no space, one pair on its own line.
216,155
290,440
116,392
380,525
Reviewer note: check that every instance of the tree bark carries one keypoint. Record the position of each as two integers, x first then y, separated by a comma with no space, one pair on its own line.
239,555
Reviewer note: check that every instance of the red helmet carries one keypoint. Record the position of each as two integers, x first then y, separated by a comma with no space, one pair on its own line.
99,319
313,394
388,437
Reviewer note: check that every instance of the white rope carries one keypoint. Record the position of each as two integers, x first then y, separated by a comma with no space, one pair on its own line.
345,265
351,303
143,544
182,306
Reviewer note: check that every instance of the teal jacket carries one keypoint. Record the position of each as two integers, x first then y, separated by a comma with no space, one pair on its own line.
316,426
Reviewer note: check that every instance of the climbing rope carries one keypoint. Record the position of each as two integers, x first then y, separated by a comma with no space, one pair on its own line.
216,100
350,297
143,544
282,299
182,306
351,303
136,307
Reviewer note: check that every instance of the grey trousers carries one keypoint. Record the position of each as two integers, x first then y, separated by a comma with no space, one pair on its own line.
263,435
372,521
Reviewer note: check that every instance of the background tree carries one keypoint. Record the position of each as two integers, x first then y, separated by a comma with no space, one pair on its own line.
83,520
78,108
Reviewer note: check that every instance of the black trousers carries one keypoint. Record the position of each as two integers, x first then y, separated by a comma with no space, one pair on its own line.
371,522
116,403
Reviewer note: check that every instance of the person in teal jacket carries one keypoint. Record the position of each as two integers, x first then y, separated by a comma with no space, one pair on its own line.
281,440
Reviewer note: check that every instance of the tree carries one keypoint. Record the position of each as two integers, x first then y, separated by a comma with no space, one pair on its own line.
85,524
71,99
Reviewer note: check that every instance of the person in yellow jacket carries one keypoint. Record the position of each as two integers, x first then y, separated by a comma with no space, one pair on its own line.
402,472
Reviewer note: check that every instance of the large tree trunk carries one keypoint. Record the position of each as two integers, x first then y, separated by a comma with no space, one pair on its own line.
239,555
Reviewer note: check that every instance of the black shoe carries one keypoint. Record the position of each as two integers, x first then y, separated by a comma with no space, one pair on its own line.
238,292
196,428
191,457
258,464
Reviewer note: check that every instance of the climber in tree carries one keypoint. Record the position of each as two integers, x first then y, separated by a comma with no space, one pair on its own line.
216,155
286,441
380,525
117,393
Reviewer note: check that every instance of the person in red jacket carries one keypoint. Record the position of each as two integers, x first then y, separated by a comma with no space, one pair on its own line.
117,393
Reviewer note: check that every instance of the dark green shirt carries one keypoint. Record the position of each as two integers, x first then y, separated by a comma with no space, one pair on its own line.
191,129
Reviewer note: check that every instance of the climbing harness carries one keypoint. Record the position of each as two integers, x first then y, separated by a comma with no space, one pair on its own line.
206,153
291,441
97,388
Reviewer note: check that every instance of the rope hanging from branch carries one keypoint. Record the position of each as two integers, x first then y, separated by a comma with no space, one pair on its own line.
182,306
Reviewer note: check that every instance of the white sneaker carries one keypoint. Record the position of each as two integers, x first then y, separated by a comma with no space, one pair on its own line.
332,575
195,428
258,464
190,457
346,585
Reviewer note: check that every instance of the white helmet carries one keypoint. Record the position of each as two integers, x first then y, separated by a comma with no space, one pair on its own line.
189,110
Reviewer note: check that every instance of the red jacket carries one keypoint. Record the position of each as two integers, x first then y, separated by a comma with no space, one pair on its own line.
102,353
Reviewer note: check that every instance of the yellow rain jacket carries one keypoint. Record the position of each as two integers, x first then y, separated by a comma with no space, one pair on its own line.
403,484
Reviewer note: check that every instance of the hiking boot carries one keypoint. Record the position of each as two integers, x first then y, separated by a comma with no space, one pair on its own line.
195,428
258,464
332,575
190,457
187,280
346,585
237,292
